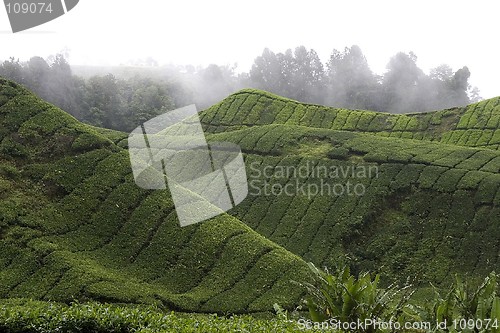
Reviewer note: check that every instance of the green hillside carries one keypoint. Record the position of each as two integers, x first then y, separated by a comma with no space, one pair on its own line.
476,125
74,226
432,209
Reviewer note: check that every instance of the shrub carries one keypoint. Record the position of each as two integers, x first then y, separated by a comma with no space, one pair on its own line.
448,180
285,113
341,118
318,117
234,108
465,309
492,166
496,137
271,110
479,159
365,120
297,114
409,175
9,147
329,118
338,153
347,298
22,316
401,123
351,121
308,115
88,141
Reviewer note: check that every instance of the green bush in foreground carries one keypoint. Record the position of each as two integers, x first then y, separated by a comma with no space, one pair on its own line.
22,316
342,297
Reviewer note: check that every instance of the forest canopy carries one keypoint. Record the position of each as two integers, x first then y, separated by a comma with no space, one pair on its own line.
123,99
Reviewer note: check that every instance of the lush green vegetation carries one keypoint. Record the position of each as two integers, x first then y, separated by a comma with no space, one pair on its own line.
423,213
345,298
351,299
475,125
467,308
23,316
123,97
74,226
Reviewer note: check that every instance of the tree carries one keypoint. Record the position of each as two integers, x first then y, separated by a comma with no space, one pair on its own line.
213,84
38,74
288,66
103,98
306,75
449,89
474,94
351,83
298,74
13,70
401,84
65,90
460,85
442,73
267,73
146,100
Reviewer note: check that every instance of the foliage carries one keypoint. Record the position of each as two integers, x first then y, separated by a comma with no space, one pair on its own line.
465,308
22,316
418,205
447,126
351,299
122,98
100,100
348,81
74,225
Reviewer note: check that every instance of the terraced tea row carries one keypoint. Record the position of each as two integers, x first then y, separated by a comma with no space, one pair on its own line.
475,125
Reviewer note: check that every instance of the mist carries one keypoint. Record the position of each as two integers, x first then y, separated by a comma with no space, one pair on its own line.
123,97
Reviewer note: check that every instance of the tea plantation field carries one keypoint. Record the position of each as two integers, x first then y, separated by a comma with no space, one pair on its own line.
74,226
430,209
411,195
476,125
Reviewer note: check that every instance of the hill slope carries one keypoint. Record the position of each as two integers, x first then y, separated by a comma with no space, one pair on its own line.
73,225
406,195
429,209
476,125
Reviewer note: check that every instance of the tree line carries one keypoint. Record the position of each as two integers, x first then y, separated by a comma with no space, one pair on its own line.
347,81
123,102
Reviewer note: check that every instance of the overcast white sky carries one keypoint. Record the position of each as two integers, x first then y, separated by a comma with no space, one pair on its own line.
227,31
